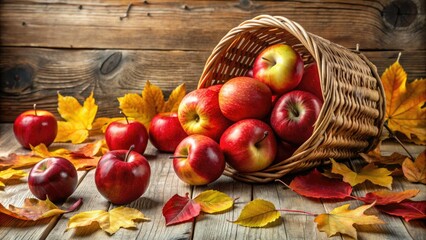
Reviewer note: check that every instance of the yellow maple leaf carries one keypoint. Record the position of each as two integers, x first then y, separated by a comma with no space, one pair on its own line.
258,213
151,102
78,118
415,171
404,103
10,174
379,176
342,219
110,222
212,201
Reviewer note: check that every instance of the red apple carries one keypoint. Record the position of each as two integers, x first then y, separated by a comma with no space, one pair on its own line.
249,145
199,113
243,98
280,67
54,178
294,115
215,88
165,131
310,81
122,134
34,127
122,176
198,160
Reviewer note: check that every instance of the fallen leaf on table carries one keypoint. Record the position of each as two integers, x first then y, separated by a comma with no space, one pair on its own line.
180,209
415,171
404,103
316,185
379,176
212,201
110,222
151,102
35,209
386,197
19,160
11,174
258,213
375,156
342,219
409,210
100,125
78,118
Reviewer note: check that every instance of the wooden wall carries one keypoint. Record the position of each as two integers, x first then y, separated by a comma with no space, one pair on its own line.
79,46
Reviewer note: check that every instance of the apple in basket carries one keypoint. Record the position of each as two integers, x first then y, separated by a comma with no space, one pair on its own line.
294,115
310,81
165,131
198,160
243,98
249,145
280,67
199,113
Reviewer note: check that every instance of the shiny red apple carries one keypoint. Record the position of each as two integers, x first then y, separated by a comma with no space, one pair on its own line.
122,134
280,67
198,160
34,127
54,178
199,113
165,131
122,176
249,145
294,115
310,81
243,98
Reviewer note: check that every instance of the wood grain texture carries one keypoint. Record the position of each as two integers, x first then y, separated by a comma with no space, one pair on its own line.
199,25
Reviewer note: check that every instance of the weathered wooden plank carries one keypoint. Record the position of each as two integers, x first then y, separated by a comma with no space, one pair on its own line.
200,24
216,226
35,75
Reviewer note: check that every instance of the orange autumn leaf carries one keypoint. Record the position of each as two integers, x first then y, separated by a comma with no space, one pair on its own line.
35,209
379,176
415,171
386,197
19,160
342,219
78,118
404,103
151,102
10,174
375,156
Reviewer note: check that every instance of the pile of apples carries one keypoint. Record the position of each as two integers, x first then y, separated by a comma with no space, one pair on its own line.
249,122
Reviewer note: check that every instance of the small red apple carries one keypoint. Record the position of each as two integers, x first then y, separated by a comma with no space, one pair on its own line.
54,178
198,160
34,127
249,145
294,115
310,81
122,134
280,67
165,132
122,176
243,98
199,113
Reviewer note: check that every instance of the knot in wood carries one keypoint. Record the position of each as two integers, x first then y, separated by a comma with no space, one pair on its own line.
16,80
400,13
111,63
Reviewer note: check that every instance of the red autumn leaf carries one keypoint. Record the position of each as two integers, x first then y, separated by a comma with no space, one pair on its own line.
387,197
409,210
180,209
316,185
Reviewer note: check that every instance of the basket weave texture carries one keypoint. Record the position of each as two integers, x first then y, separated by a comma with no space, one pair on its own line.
352,116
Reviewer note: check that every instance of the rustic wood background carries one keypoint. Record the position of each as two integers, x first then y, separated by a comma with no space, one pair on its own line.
79,46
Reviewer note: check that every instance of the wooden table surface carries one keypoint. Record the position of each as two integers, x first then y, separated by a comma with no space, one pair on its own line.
165,183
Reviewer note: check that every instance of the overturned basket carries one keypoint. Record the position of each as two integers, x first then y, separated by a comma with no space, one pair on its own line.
352,115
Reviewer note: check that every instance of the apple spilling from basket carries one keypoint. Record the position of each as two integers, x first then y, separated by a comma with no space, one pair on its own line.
249,122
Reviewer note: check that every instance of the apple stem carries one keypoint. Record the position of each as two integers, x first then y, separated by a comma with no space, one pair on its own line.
171,157
265,134
128,152
272,62
35,109
125,116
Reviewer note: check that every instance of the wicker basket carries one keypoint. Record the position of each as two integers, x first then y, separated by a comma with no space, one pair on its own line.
352,116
